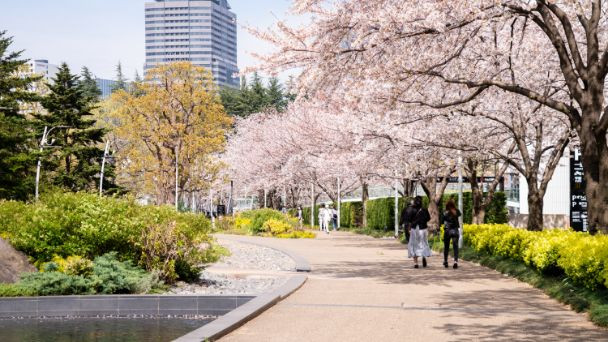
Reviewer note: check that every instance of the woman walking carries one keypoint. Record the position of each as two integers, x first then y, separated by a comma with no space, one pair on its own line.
417,222
451,231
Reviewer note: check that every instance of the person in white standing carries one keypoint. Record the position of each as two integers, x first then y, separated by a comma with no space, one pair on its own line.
322,217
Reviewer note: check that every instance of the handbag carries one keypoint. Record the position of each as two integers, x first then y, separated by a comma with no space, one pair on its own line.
452,231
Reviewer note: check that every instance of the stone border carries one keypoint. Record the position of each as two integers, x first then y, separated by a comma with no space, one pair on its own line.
243,314
302,264
120,306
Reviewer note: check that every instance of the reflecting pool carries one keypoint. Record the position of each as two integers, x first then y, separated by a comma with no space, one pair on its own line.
96,329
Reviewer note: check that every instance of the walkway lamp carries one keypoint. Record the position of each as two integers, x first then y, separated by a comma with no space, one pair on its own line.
44,143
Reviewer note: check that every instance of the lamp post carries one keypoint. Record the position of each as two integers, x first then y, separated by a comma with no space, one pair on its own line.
396,207
103,166
339,203
44,143
460,187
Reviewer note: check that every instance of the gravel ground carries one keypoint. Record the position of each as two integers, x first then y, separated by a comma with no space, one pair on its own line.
224,278
252,257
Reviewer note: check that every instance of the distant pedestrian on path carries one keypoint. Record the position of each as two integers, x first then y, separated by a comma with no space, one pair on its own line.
300,217
418,223
334,217
451,231
403,220
324,218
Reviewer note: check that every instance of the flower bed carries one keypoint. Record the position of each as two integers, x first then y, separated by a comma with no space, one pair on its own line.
579,256
264,222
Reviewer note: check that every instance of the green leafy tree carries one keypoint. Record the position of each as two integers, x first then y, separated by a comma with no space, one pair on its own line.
89,85
16,141
77,153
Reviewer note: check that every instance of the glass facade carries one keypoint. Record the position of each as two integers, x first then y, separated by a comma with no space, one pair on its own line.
200,31
105,86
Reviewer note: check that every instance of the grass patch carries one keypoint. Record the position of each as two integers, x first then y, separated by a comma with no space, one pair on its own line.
579,298
375,233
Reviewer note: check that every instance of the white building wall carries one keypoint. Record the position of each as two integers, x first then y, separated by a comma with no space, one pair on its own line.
557,197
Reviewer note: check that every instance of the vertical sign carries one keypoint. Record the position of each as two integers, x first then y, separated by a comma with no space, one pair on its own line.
578,198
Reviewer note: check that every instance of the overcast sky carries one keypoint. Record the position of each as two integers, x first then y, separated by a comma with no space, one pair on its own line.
99,33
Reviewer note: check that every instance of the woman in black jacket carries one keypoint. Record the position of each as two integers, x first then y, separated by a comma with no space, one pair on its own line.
451,231
417,218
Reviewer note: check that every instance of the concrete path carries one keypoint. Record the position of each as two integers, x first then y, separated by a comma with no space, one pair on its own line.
362,289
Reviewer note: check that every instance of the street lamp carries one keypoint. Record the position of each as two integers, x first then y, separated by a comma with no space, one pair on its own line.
103,166
44,143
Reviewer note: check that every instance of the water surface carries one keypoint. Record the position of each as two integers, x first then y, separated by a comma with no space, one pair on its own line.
96,329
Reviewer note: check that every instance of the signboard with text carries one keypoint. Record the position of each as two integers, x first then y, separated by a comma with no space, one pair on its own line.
578,198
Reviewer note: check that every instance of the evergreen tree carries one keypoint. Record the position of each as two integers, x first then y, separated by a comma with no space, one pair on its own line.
137,78
121,81
76,159
275,95
258,98
17,163
254,97
89,85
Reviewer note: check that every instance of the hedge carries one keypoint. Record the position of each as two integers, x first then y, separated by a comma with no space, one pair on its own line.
381,212
581,257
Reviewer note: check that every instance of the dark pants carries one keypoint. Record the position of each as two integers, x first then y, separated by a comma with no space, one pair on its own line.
446,247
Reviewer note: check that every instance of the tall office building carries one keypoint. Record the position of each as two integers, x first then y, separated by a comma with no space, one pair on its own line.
200,31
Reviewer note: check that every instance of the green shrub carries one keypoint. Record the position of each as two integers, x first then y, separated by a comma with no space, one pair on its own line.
72,265
111,275
107,276
67,224
599,314
582,258
55,283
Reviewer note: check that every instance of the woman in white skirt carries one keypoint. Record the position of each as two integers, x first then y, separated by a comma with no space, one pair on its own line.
417,219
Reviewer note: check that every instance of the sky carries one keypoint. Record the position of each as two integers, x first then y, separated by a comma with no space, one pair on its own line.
100,33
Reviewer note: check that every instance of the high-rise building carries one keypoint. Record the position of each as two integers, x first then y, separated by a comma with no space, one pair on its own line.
199,31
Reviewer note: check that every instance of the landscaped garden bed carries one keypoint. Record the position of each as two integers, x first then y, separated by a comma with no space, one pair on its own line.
85,244
264,222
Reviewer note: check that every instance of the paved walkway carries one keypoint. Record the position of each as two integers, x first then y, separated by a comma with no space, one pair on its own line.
362,289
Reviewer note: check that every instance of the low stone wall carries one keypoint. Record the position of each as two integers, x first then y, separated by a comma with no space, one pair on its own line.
119,306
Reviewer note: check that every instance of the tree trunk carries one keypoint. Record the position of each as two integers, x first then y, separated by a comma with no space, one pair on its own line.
595,164
434,212
364,199
535,208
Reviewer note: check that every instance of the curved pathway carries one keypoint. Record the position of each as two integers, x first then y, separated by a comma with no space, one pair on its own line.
363,289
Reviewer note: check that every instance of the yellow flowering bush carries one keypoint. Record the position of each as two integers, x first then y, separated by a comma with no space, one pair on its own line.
242,223
268,222
581,257
276,227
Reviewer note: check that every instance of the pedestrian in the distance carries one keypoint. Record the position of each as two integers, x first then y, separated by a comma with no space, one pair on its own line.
324,218
300,217
451,231
404,220
418,223
334,217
